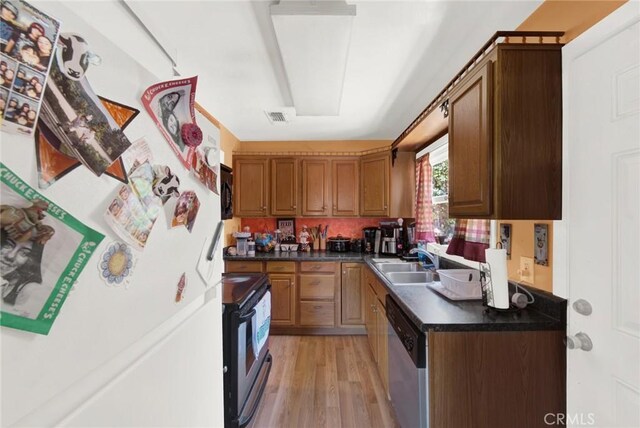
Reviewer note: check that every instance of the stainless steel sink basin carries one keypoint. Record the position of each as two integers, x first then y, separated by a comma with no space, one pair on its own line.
400,267
378,260
409,278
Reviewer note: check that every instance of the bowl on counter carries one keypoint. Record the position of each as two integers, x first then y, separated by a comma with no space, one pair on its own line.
288,247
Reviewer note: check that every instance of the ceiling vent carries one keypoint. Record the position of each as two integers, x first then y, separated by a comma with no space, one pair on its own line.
278,116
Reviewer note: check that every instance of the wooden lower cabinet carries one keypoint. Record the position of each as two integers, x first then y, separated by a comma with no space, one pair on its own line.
317,313
311,297
353,309
283,299
371,320
377,325
496,379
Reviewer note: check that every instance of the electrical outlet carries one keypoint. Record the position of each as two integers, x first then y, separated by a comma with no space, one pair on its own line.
526,270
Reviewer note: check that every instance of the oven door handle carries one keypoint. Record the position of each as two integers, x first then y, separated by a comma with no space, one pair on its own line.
244,421
246,317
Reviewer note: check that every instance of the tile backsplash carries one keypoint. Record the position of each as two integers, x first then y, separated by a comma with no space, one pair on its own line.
347,227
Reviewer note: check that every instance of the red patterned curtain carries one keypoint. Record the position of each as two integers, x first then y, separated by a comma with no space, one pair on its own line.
424,210
470,239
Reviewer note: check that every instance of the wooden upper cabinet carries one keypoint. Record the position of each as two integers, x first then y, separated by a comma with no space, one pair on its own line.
284,187
345,177
374,182
470,142
251,191
505,136
387,185
315,187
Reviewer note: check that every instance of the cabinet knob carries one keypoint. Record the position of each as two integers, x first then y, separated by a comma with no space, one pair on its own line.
334,207
264,208
293,206
385,207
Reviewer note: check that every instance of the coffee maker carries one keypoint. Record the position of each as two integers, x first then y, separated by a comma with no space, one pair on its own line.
410,238
392,241
371,240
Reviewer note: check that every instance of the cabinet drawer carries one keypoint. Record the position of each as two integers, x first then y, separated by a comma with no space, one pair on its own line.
239,266
317,267
281,267
317,313
317,286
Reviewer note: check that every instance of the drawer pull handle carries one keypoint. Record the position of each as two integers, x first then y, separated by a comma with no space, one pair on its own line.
317,307
316,267
278,268
316,282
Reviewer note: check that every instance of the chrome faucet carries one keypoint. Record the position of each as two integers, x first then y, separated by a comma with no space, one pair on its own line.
433,257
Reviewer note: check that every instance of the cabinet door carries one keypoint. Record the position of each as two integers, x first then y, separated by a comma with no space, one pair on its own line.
352,294
283,298
315,187
345,178
251,190
370,321
470,145
284,187
383,350
374,182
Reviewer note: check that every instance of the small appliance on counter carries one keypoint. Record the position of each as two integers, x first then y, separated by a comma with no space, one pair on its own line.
357,245
242,246
392,241
338,244
369,239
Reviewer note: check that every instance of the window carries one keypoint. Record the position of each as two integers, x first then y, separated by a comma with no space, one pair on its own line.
439,159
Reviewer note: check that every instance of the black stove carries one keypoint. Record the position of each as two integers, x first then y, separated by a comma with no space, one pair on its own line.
246,357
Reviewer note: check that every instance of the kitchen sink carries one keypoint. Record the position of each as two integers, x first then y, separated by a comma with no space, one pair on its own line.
409,278
400,267
393,260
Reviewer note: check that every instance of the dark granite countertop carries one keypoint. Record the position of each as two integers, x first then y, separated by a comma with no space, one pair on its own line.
430,311
298,256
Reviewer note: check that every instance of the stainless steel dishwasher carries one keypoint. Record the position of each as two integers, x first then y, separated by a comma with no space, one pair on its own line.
408,371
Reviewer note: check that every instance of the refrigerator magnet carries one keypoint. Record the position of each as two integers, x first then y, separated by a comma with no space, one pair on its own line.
117,264
182,283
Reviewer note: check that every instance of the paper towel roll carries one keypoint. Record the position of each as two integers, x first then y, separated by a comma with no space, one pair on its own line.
499,287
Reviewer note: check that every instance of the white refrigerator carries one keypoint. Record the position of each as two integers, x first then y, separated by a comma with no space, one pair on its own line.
119,356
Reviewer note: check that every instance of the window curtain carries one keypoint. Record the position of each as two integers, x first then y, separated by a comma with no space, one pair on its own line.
470,239
424,209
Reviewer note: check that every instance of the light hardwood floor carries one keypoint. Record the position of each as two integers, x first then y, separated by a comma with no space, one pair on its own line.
323,381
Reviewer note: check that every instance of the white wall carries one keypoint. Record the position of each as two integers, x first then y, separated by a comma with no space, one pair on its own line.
119,357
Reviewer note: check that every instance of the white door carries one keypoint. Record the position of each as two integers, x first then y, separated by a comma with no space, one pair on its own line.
600,236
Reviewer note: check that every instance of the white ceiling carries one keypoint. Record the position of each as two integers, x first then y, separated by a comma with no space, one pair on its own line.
402,54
